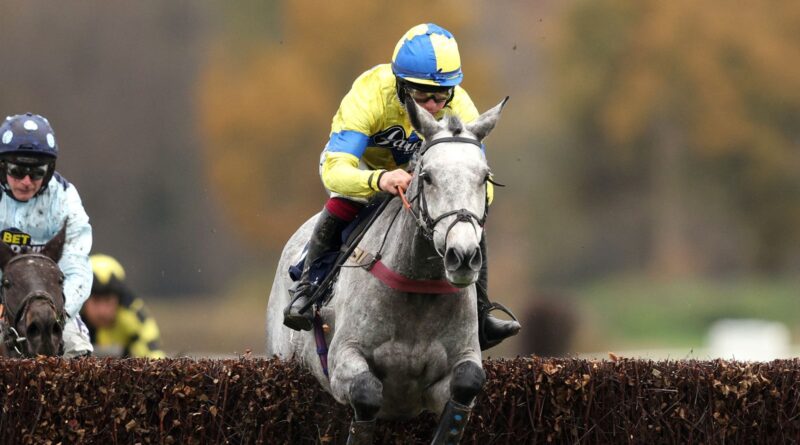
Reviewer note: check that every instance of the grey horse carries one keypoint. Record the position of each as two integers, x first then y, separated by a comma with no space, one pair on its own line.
393,353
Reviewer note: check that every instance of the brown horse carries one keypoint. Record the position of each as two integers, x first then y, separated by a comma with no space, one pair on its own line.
32,300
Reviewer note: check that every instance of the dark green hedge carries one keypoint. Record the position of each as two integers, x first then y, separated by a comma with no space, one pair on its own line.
526,400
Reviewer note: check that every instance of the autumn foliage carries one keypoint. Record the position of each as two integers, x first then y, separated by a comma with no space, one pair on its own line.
692,107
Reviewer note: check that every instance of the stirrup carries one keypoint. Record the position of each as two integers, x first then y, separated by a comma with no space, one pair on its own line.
297,322
301,321
483,313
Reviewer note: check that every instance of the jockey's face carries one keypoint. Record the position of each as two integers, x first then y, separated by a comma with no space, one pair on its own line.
431,101
431,106
100,310
25,180
23,189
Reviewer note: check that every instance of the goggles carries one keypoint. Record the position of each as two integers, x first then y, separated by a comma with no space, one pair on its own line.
421,97
20,171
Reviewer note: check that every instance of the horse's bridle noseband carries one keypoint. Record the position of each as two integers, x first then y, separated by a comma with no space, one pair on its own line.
12,319
428,224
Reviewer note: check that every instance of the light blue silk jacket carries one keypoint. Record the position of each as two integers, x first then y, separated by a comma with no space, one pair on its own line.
36,221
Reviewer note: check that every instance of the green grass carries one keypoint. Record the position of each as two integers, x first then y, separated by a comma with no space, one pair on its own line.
640,313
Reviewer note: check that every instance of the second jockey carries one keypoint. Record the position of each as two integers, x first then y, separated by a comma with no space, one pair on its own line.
35,203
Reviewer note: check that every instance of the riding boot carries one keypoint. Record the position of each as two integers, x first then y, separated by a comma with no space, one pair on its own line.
491,330
326,237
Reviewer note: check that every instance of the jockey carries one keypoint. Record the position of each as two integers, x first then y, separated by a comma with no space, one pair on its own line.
115,316
35,203
372,140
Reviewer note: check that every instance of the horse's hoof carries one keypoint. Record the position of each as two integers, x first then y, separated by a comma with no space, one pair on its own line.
298,322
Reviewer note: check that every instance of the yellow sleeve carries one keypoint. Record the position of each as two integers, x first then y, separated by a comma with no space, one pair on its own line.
340,174
142,332
147,345
358,117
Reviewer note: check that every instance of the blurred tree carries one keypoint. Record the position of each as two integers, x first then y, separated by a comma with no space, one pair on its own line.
686,103
116,80
267,99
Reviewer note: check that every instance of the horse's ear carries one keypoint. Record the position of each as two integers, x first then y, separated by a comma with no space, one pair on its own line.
55,247
5,254
486,121
420,119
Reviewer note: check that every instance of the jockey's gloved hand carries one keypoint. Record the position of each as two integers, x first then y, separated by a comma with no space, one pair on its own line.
390,181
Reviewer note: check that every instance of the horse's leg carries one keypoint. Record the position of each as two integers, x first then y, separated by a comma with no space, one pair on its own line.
366,395
364,391
4,352
465,384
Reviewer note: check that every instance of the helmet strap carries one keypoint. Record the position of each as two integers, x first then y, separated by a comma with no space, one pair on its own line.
400,86
451,98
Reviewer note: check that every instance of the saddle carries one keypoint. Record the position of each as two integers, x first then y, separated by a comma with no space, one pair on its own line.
326,268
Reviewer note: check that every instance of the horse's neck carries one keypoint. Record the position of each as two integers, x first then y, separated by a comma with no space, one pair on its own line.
409,253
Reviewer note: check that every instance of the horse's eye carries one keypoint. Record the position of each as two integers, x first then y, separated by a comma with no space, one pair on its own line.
426,177
6,283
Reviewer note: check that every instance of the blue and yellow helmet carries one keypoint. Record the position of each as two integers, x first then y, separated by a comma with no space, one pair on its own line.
428,55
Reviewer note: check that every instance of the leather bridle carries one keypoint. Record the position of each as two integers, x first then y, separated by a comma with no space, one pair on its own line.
425,222
12,318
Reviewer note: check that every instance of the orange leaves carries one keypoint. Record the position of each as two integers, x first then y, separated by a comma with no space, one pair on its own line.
698,63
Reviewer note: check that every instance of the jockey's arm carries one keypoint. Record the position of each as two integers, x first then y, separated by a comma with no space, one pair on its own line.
74,262
340,174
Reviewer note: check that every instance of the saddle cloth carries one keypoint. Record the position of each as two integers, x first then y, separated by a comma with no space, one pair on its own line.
323,265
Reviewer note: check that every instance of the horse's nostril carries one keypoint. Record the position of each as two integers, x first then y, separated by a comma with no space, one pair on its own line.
475,260
33,330
453,259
